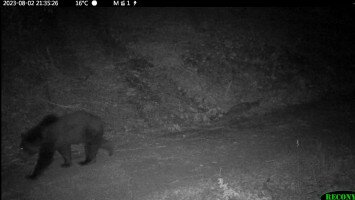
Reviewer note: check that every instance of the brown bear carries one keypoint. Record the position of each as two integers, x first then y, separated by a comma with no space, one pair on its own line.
59,133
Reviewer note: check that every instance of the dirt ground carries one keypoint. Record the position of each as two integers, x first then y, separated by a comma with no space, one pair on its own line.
296,153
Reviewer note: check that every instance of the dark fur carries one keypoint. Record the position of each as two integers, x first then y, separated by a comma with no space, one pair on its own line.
59,133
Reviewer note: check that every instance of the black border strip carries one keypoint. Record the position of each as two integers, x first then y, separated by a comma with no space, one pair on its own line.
193,3
210,3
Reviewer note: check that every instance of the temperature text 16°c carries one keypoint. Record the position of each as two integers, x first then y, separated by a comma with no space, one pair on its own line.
81,3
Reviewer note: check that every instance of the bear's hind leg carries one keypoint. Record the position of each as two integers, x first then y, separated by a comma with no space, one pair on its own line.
107,145
90,151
